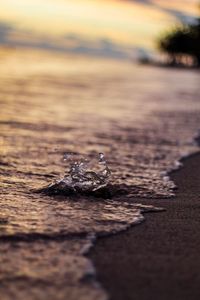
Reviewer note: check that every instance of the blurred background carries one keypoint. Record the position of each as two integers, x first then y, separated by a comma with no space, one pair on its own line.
89,77
114,28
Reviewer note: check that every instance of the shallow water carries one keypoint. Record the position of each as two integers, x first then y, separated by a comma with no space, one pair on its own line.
143,118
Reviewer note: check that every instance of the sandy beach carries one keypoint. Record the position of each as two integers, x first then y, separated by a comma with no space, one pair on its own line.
99,150
143,119
160,258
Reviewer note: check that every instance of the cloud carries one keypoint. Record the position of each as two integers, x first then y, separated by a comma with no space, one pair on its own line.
5,29
178,14
70,43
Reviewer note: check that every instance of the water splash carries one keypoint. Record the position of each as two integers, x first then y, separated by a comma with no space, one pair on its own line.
82,175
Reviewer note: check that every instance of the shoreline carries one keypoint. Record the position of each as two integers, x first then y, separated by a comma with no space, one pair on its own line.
159,259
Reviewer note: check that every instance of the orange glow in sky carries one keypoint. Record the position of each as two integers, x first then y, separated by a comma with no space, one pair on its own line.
125,22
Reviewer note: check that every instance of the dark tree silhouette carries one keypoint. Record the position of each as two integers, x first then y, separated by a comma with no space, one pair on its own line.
181,41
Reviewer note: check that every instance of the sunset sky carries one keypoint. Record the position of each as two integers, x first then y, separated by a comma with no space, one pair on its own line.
64,22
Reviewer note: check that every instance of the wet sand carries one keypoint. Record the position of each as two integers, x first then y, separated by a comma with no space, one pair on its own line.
160,258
